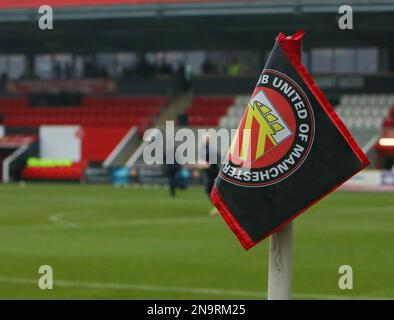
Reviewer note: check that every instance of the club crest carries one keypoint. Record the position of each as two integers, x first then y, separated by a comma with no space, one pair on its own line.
274,136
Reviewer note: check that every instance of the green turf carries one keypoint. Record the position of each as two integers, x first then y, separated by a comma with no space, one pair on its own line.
139,243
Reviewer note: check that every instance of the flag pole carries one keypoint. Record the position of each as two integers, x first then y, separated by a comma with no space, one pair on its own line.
280,264
281,242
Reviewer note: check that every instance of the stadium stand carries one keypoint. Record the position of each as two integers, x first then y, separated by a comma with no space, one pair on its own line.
385,146
207,110
103,121
364,114
234,114
389,120
93,111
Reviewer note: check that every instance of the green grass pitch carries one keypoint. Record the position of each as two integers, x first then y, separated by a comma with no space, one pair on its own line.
136,243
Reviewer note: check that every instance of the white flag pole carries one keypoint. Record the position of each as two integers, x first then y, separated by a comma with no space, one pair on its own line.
281,242
280,264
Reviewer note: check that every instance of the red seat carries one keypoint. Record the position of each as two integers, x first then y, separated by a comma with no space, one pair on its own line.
72,173
206,110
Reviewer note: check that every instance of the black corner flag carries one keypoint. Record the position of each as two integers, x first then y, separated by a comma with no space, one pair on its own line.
291,149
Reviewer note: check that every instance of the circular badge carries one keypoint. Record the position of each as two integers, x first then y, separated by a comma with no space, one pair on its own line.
274,136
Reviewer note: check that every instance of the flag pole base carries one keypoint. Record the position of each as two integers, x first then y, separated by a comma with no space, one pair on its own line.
280,264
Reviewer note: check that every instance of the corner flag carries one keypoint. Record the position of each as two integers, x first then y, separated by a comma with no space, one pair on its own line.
291,149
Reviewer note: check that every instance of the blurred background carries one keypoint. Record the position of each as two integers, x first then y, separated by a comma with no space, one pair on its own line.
76,100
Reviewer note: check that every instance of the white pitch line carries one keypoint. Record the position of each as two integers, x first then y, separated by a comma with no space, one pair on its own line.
355,210
155,288
58,222
58,219
153,221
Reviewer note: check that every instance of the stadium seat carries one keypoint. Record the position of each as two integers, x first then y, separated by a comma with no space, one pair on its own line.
74,172
94,111
207,110
364,114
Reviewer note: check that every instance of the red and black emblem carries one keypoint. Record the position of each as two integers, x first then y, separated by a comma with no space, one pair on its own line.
275,134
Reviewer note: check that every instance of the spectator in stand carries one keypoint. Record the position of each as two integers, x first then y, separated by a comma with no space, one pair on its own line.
57,70
165,68
208,67
181,76
69,71
234,68
144,69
